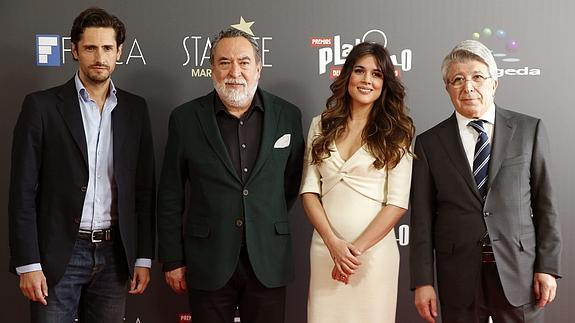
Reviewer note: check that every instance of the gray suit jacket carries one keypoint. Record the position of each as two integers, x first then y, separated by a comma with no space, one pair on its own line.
448,217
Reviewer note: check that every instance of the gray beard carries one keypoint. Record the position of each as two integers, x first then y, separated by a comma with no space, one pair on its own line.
235,98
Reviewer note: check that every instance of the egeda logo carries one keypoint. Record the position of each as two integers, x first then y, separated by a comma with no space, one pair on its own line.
48,50
506,52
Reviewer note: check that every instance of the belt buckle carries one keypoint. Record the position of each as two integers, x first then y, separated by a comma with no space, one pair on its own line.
92,236
487,255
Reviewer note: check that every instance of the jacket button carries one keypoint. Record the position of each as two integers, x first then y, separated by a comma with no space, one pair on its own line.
245,192
239,223
486,214
83,188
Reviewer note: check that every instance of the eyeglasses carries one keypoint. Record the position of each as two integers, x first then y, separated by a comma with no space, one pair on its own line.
459,81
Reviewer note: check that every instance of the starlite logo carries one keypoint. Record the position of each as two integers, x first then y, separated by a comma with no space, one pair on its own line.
48,50
56,50
506,52
332,52
197,49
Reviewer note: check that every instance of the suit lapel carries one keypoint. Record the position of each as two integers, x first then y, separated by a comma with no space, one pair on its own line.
271,119
70,110
451,140
209,125
120,125
504,129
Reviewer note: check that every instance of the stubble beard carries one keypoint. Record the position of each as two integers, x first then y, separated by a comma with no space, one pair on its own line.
98,78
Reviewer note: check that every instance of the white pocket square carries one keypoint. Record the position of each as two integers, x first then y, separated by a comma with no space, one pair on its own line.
283,141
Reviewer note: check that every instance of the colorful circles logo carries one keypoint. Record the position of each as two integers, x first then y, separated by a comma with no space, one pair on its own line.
511,45
505,49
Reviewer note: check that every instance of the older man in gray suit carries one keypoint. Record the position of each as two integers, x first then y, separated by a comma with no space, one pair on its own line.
483,213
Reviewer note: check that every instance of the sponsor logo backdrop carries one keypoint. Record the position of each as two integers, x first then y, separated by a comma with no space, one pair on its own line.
304,44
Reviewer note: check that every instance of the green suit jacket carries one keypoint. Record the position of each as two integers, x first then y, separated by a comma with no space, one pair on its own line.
206,232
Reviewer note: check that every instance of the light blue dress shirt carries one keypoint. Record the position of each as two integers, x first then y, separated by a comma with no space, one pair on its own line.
99,211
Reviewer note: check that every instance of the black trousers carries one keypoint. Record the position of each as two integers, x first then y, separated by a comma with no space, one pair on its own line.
256,303
489,301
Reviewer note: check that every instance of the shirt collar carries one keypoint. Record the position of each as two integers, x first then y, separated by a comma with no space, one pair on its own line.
257,102
488,116
83,93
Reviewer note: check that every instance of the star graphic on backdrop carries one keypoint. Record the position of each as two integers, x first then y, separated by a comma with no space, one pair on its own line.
244,26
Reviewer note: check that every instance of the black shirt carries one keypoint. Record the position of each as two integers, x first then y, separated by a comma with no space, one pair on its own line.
242,136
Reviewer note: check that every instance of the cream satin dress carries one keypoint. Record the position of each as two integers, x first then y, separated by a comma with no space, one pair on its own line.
352,192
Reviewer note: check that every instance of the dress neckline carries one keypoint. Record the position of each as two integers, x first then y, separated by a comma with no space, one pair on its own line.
351,156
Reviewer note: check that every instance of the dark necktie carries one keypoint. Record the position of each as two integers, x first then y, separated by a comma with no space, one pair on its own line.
481,157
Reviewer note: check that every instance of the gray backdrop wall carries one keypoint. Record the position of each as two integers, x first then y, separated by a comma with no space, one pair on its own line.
304,43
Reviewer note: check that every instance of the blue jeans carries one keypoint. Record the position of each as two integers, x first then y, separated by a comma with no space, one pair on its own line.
93,288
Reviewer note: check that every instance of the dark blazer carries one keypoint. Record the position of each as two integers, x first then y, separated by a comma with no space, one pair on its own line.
449,218
50,173
220,207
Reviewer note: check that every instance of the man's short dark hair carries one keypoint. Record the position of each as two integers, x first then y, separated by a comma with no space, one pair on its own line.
97,17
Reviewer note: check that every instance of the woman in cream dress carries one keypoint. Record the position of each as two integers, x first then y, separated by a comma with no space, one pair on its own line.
355,188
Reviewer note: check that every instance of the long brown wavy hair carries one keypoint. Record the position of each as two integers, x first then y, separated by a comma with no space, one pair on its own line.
389,130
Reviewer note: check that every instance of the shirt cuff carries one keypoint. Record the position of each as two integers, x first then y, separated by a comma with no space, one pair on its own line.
28,268
144,262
